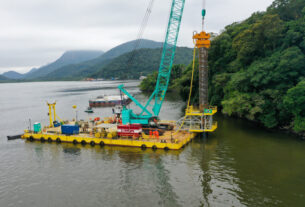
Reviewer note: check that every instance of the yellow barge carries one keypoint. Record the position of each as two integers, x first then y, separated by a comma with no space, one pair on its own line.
167,142
106,132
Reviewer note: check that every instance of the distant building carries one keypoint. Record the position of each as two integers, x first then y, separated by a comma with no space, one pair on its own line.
90,79
142,77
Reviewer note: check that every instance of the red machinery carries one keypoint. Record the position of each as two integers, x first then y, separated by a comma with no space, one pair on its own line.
130,130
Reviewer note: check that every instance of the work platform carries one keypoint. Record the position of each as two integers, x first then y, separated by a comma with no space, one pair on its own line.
167,135
195,121
170,140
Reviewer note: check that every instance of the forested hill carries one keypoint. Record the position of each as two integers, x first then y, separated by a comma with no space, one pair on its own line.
12,75
257,68
69,57
87,68
3,78
145,61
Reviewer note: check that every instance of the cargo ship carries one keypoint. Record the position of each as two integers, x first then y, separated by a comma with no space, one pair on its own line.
109,100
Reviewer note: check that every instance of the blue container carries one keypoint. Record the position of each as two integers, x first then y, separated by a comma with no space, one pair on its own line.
69,129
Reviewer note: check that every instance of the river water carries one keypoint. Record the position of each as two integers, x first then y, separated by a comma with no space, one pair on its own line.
238,165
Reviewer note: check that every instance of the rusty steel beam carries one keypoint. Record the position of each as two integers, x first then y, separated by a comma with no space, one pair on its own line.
203,78
203,43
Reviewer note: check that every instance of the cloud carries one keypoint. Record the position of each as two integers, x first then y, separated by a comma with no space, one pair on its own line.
35,32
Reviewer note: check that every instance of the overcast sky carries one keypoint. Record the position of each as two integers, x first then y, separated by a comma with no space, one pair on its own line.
37,32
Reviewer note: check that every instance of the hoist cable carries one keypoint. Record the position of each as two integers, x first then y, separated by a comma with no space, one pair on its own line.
190,93
140,34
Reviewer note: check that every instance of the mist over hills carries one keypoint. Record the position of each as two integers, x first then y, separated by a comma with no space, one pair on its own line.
77,65
129,46
69,57
88,68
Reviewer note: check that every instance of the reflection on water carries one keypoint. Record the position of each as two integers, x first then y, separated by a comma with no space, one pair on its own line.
71,150
238,165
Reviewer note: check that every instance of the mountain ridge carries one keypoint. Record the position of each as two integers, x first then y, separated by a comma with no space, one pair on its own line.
78,64
68,57
89,67
3,78
12,75
145,61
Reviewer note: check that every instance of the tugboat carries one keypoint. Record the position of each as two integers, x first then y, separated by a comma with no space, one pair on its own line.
89,110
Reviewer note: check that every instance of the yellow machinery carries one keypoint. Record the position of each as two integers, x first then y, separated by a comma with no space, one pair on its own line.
202,40
200,120
52,106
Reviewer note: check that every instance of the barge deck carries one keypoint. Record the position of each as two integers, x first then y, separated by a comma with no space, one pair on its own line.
169,141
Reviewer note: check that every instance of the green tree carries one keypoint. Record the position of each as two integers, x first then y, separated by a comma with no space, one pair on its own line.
149,83
255,67
295,103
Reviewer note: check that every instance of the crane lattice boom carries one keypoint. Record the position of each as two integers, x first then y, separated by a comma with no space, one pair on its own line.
167,58
168,53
